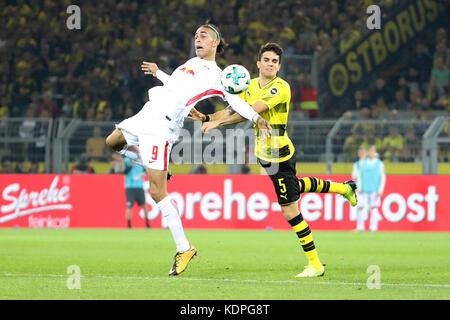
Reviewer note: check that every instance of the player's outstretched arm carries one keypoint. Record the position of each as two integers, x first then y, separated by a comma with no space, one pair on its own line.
229,116
149,68
152,68
222,114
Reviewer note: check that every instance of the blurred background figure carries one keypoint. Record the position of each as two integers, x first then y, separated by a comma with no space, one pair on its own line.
356,175
95,145
134,189
372,178
82,166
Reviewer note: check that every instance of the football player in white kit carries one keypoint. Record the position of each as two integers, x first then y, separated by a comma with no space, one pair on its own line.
148,136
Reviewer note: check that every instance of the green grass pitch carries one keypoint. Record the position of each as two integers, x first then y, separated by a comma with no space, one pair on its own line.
254,265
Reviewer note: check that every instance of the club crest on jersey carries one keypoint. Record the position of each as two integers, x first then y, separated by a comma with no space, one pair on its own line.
273,91
187,70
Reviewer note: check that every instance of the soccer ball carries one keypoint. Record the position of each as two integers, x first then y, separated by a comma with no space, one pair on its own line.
235,78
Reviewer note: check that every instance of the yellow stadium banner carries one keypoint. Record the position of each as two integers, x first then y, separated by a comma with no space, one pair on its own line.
398,31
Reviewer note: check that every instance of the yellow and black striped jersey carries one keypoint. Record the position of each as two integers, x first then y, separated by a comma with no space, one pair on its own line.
277,96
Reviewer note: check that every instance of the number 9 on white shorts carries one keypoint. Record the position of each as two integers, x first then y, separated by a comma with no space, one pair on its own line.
155,152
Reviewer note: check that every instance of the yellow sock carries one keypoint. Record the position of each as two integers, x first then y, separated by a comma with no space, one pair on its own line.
311,184
303,231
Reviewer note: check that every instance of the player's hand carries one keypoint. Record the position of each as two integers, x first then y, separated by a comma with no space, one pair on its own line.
207,126
264,127
196,115
149,68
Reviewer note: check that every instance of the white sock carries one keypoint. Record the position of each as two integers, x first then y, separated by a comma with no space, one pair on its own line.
131,152
173,221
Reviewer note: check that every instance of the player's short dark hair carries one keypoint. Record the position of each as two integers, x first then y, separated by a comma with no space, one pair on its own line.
222,43
270,46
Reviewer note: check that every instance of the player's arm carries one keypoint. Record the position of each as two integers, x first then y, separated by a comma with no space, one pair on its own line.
243,111
194,114
229,116
355,170
152,68
383,180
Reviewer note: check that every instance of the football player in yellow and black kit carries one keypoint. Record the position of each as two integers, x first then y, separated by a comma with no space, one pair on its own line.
270,96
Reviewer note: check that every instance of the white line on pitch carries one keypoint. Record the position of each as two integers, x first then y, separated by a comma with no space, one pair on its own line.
307,281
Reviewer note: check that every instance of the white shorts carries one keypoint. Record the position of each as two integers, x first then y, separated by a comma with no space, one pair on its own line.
154,151
369,200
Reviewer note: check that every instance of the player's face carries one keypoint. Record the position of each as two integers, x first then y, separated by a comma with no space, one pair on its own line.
362,153
269,64
205,43
372,152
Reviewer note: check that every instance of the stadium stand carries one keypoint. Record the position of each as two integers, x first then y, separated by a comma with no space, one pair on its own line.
51,74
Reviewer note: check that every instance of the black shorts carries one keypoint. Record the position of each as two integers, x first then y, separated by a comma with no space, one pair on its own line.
284,179
135,195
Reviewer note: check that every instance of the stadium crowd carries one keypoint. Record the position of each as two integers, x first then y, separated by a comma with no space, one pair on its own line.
49,71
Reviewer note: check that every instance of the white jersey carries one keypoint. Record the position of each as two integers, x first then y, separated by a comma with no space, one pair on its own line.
155,128
170,104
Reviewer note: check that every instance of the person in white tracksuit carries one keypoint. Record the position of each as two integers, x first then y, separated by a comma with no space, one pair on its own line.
371,181
356,175
148,136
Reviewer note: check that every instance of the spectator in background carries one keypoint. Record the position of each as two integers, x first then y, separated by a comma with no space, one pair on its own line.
4,107
41,133
309,97
440,75
348,115
95,145
415,99
403,85
50,104
364,116
444,153
90,113
81,105
352,143
128,112
392,144
413,78
67,109
117,164
443,103
381,105
441,51
27,132
4,114
108,114
381,90
36,103
7,165
359,101
422,62
82,166
428,114
411,147
393,115
34,168
372,137
400,102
